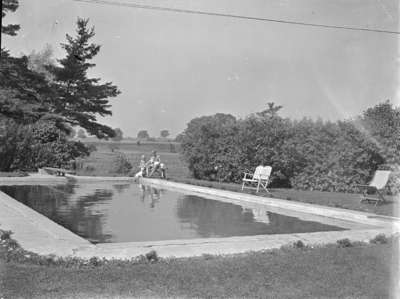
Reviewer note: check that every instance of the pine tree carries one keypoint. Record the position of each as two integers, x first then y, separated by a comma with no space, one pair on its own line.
25,95
82,99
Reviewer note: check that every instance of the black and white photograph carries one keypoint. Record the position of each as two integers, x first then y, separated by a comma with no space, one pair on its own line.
200,149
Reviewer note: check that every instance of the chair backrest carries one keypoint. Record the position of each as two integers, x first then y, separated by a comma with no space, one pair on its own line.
262,172
380,179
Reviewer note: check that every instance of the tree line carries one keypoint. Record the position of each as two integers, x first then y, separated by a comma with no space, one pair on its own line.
305,154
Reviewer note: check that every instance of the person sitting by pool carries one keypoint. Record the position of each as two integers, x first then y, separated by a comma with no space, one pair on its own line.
154,164
142,166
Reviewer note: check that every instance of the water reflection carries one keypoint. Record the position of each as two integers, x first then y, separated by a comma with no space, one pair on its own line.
74,207
213,218
136,212
150,192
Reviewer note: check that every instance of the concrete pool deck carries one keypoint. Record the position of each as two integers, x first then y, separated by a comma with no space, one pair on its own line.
38,234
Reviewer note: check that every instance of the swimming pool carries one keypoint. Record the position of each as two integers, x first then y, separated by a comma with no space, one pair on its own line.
113,213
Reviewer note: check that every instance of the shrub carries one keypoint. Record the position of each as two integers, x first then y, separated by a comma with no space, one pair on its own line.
305,154
379,239
12,244
209,146
152,256
94,261
299,244
29,147
344,243
121,164
393,185
5,235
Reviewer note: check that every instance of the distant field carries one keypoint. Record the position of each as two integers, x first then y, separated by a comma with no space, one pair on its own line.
101,161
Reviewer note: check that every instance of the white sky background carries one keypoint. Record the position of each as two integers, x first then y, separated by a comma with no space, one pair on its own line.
173,67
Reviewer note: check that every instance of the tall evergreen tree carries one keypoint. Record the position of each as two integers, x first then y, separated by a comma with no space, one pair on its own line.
25,96
82,99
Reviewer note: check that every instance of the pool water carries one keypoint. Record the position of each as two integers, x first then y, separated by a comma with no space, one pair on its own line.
133,212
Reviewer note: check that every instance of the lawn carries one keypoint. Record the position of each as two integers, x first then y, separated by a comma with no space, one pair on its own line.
361,270
13,174
101,162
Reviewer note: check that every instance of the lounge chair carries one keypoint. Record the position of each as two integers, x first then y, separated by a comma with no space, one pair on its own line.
377,184
260,177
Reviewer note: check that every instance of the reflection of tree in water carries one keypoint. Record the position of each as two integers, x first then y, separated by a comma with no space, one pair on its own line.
213,218
282,224
85,220
74,214
43,199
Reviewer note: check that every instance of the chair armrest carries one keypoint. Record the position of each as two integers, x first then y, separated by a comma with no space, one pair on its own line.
246,173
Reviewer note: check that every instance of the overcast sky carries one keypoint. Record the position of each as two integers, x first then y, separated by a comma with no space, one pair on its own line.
173,67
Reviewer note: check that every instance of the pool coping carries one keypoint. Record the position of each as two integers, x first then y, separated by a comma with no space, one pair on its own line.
39,234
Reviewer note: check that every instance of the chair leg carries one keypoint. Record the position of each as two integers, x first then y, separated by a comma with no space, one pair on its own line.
380,195
242,186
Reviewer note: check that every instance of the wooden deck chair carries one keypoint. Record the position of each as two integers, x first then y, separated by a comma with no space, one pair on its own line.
258,179
377,184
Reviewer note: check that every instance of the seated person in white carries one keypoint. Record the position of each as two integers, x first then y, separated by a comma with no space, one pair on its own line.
142,166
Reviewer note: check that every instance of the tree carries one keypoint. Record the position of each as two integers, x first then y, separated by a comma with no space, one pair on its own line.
209,146
9,5
260,139
81,133
118,135
164,133
25,95
82,99
180,137
143,134
381,125
27,112
272,110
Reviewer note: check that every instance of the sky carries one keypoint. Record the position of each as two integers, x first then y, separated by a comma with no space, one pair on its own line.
173,67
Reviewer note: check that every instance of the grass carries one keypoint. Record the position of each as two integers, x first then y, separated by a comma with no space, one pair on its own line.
100,162
356,270
13,174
